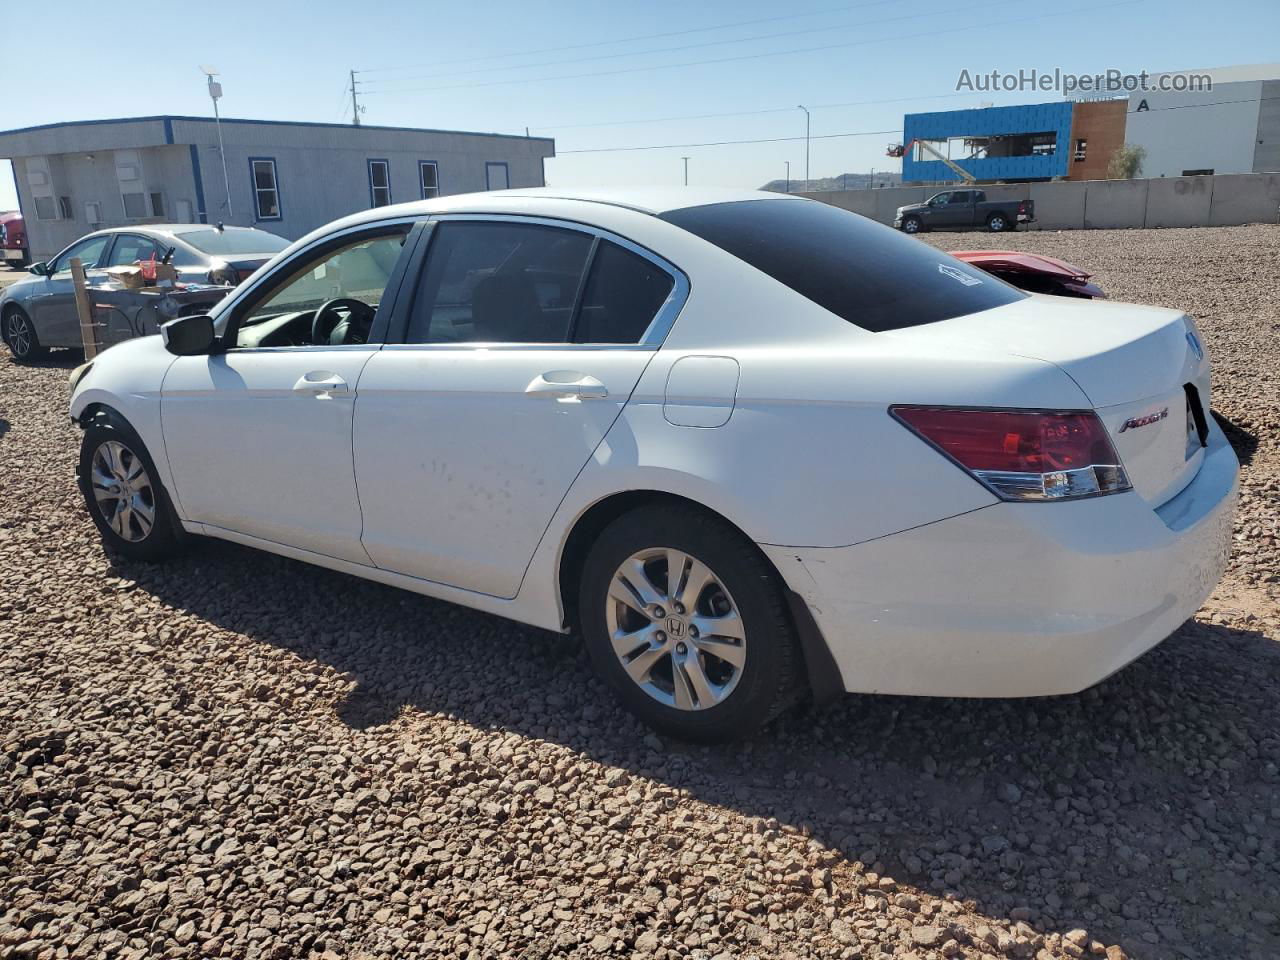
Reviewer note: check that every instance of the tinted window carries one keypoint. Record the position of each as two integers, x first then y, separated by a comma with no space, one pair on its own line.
872,276
222,242
623,294
498,283
130,248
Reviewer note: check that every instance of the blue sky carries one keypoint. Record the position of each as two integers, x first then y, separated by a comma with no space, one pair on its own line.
288,60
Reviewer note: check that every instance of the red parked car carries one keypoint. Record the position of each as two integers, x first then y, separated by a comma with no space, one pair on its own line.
1034,272
13,240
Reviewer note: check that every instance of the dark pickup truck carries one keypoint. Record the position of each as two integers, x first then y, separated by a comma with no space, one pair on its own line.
964,210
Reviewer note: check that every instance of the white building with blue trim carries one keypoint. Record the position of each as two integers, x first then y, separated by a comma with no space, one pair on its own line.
282,176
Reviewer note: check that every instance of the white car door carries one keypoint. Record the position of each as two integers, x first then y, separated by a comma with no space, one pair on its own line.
259,436
524,343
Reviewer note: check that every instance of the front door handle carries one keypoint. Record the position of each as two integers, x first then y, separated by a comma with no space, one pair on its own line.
320,383
566,385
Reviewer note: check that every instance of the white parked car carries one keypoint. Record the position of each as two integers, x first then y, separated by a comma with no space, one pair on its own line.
754,447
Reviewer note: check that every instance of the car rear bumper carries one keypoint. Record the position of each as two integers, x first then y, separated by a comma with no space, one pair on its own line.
1018,600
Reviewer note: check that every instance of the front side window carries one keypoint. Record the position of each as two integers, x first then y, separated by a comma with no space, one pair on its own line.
940,200
88,250
266,191
131,248
868,274
498,282
356,272
429,175
379,183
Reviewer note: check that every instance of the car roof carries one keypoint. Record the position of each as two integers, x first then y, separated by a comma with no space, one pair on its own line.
552,201
174,229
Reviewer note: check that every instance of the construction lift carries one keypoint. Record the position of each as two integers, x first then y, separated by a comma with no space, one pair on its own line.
900,150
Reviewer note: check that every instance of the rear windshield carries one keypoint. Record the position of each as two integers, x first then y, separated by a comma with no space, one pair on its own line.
219,242
872,276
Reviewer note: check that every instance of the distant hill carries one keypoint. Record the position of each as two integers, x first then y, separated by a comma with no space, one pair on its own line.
845,181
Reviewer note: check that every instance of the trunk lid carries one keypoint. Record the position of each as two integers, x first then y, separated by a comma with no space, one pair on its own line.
1142,368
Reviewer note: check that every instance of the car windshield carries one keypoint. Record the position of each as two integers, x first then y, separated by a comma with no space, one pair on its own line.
222,242
872,276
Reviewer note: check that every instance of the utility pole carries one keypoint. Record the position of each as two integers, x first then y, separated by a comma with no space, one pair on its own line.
806,142
686,170
215,92
788,163
355,105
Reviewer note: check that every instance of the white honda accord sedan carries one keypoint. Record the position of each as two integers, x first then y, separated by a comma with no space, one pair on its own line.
753,447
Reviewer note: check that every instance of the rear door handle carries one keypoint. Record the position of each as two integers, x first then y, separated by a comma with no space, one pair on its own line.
566,385
320,383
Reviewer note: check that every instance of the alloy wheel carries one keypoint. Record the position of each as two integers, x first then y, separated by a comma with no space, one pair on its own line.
123,490
675,629
18,333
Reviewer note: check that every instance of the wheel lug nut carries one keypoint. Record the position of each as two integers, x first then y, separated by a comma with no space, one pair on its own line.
660,637
693,631
679,608
659,612
681,649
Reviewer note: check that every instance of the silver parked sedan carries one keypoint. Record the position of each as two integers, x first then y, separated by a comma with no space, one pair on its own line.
39,311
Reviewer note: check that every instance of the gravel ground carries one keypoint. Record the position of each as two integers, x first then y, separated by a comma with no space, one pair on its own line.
241,756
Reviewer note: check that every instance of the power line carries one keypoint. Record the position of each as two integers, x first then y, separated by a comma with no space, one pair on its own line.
744,113
686,46
858,133
758,56
601,43
727,143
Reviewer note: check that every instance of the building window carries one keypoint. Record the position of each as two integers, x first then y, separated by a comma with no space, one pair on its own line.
157,204
379,183
266,190
64,208
496,176
1082,147
135,205
92,212
429,178
46,209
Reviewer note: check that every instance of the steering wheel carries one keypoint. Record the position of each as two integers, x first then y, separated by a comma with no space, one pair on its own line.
329,326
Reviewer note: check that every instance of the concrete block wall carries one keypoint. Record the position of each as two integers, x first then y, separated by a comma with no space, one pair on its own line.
1225,200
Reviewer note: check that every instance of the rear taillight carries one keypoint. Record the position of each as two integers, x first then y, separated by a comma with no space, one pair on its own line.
1024,455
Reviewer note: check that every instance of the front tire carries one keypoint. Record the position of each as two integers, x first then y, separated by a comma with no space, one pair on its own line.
123,493
688,623
20,335
912,225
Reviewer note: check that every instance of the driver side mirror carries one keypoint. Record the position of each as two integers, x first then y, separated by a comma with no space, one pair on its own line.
40,269
188,336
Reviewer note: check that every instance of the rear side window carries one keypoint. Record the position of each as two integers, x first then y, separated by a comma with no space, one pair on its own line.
623,295
870,275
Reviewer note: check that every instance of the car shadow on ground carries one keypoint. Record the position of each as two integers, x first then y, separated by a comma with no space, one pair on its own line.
1243,442
54,360
1138,809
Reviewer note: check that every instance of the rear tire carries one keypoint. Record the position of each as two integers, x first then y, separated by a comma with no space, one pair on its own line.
20,336
709,659
123,493
998,223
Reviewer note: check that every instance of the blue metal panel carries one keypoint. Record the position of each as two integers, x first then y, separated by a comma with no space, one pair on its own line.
990,121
